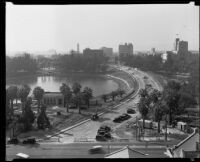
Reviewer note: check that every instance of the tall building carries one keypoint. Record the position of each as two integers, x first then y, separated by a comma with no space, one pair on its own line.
92,52
108,52
126,50
182,47
176,44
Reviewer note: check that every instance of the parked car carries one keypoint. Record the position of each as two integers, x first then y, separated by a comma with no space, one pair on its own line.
13,141
29,141
100,138
117,120
131,111
106,128
121,118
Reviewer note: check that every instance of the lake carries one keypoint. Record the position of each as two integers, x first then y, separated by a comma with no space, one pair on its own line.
99,83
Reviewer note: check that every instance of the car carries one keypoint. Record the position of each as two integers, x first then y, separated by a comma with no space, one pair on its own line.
96,149
13,141
106,128
22,156
94,117
117,120
107,135
101,132
131,111
100,138
29,141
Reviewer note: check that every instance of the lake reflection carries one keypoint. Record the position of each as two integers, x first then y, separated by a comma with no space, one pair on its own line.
99,83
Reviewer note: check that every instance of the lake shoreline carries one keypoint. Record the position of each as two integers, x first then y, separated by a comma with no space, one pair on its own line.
120,83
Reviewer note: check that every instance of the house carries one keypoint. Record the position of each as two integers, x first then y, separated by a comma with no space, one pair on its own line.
188,148
53,98
127,152
182,126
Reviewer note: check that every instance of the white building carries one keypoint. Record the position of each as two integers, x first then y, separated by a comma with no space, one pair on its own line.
127,152
164,57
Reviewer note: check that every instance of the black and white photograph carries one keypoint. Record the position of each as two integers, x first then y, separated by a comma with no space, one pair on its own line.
102,81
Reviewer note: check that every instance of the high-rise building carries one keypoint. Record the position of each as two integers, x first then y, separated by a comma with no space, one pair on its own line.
92,52
182,47
108,52
126,50
176,44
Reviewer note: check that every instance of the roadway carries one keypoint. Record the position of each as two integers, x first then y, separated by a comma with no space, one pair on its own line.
66,148
79,150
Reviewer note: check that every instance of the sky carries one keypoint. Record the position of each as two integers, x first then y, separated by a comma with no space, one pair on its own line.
61,27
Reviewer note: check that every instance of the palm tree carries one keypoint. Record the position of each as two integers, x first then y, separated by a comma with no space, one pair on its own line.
67,93
38,93
104,97
159,111
23,93
76,88
172,97
143,107
12,94
87,95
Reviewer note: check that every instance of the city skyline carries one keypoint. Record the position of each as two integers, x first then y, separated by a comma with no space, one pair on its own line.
40,28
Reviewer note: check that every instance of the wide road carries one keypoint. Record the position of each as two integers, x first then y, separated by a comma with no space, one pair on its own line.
68,149
89,129
79,150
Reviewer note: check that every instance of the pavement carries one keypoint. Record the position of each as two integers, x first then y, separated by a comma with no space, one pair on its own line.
87,129
78,150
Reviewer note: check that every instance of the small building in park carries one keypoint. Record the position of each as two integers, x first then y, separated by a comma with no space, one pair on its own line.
182,126
53,98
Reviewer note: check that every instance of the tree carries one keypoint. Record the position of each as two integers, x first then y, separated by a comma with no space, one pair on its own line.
172,96
12,94
113,94
77,101
143,93
143,107
76,88
38,93
43,120
121,92
159,111
104,97
87,95
23,93
28,116
67,93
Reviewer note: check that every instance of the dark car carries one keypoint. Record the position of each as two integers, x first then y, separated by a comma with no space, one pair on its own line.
13,141
100,138
131,111
106,128
94,117
107,135
126,116
101,132
117,120
29,141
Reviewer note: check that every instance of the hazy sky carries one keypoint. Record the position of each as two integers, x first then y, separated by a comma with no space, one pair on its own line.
61,27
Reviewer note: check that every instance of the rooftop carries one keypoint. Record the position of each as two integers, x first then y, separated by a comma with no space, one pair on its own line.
127,152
